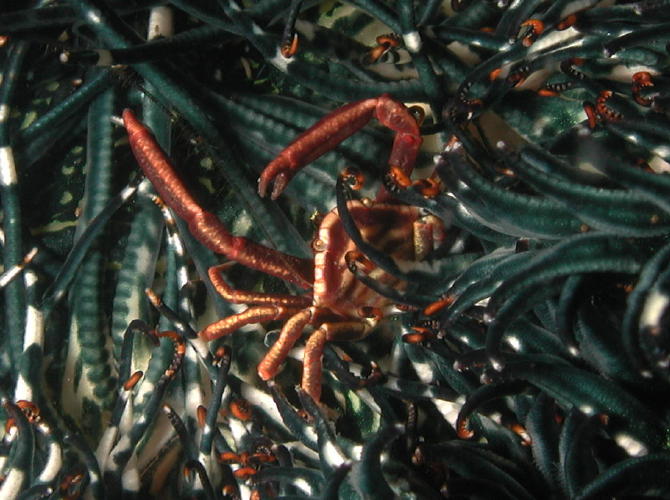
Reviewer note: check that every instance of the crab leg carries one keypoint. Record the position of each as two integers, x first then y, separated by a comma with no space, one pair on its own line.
290,333
334,128
256,314
205,226
257,298
312,366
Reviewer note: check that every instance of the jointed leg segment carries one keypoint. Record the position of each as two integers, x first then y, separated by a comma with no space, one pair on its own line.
255,314
257,298
312,366
289,335
205,226
334,128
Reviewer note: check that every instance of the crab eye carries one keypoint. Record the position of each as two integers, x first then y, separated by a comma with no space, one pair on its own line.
418,113
369,312
318,245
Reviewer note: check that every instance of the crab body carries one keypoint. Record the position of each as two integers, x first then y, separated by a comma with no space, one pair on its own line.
337,306
397,230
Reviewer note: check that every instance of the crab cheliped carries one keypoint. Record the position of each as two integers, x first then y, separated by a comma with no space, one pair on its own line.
337,305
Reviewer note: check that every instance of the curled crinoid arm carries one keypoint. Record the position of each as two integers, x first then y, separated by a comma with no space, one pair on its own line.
290,39
207,417
532,29
437,306
408,298
385,45
418,335
168,313
605,111
30,410
429,187
192,463
179,352
380,259
353,177
203,477
641,80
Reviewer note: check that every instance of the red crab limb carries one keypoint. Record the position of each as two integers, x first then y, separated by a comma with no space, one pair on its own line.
255,314
257,298
331,130
205,226
339,306
289,335
291,332
311,366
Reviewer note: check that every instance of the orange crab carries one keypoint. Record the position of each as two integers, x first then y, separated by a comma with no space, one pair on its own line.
336,304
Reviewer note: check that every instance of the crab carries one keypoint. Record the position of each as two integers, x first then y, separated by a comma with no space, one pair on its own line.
336,305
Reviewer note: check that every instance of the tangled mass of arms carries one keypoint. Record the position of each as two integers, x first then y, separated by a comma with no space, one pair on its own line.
509,273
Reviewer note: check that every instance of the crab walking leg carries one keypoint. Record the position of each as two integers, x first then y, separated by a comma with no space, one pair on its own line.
205,226
257,298
312,366
289,335
334,128
256,314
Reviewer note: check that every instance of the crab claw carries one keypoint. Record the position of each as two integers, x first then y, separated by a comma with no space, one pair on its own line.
326,134
278,173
